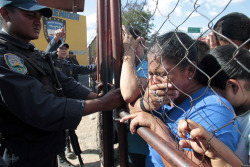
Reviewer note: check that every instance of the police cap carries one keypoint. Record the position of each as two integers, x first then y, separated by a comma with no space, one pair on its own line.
28,5
64,44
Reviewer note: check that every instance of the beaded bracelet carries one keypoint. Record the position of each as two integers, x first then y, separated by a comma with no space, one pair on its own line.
142,105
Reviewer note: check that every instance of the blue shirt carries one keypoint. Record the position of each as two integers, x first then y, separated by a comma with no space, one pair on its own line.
208,110
142,68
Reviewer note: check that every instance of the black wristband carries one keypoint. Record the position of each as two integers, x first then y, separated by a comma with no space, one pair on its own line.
142,105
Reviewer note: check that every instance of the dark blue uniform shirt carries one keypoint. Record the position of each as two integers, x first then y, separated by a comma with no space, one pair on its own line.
32,117
68,68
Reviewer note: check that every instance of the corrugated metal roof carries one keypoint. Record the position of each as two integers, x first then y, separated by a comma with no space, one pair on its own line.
67,5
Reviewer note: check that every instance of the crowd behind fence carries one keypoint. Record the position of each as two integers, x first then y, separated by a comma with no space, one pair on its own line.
139,15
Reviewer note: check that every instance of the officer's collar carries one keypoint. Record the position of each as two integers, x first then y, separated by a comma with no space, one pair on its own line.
62,59
15,41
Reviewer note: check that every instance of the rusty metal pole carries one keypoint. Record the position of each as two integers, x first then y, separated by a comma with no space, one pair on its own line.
108,116
115,11
109,44
102,43
173,156
107,123
74,6
97,45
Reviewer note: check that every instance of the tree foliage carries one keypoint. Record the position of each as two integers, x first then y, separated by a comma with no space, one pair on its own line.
136,15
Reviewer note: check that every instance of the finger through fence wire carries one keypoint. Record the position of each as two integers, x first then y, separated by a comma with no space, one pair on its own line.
140,15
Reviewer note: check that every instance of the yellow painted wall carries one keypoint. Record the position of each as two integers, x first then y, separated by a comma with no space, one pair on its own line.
76,34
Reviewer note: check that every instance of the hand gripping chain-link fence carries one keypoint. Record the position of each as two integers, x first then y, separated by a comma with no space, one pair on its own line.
138,15
161,38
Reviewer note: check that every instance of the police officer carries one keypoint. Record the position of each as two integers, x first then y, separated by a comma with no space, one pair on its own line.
67,67
72,59
33,115
64,65
70,70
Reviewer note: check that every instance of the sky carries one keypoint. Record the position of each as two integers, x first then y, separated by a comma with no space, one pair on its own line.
207,11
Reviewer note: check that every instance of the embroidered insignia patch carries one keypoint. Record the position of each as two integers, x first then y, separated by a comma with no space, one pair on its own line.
15,63
50,25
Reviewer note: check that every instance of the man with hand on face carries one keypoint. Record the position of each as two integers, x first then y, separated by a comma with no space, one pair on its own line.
33,111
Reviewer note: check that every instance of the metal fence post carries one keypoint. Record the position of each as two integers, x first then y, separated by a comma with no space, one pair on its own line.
107,122
115,11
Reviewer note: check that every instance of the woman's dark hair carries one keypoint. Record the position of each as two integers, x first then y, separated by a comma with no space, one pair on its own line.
202,49
170,47
235,26
218,58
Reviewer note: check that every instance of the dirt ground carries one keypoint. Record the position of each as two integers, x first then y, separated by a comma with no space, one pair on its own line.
87,138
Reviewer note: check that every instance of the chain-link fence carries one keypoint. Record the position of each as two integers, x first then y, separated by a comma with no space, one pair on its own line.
183,81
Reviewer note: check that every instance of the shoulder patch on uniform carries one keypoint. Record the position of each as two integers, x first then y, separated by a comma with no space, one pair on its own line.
15,63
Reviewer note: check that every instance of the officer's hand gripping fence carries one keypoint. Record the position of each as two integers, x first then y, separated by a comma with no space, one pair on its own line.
72,134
